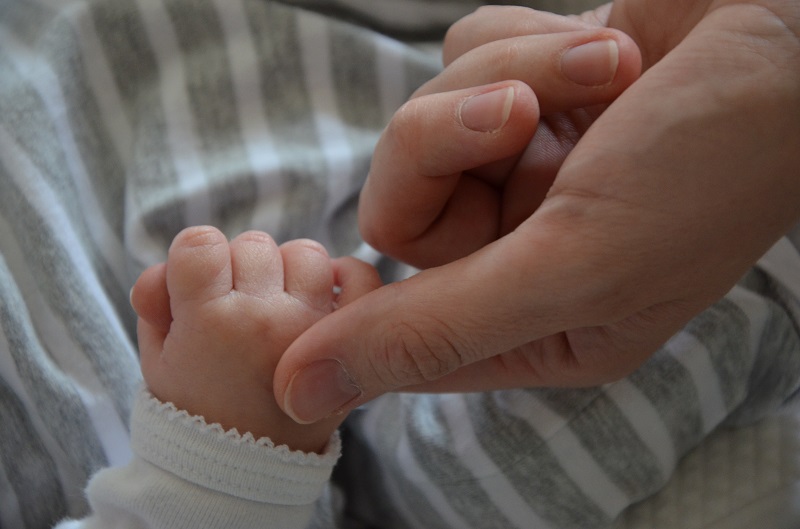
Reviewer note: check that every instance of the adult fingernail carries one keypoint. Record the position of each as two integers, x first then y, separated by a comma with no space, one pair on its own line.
489,111
318,390
592,64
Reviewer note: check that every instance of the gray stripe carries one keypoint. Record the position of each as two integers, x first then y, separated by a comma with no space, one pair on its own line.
60,408
27,465
10,513
32,129
355,77
27,20
528,463
98,153
420,68
724,329
28,122
214,107
771,382
364,470
432,450
609,438
794,236
289,111
65,291
151,176
568,402
356,80
669,387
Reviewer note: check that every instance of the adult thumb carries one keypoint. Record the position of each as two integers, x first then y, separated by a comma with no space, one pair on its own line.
416,331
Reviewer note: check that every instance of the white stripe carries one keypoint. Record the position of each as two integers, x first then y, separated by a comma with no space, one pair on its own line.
47,85
370,414
419,478
367,253
488,476
258,140
99,75
695,357
375,412
183,142
572,456
110,429
51,331
522,404
101,80
645,421
313,39
37,192
8,369
782,263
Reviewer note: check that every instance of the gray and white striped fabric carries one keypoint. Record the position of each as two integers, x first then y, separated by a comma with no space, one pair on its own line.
550,458
123,121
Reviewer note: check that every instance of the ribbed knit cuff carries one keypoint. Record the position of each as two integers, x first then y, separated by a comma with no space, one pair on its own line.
227,461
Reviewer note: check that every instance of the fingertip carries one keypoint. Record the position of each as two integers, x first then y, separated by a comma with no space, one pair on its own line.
629,67
606,60
199,265
319,390
354,278
429,143
257,266
308,273
487,111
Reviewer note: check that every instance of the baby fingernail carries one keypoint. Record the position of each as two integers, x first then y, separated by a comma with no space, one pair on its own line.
318,390
489,111
591,64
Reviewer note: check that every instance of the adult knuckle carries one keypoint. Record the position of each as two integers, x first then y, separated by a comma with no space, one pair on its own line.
417,353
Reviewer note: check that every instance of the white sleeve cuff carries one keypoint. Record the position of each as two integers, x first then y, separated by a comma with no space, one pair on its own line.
226,461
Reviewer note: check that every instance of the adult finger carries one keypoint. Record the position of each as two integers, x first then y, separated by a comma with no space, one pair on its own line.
566,70
419,330
417,177
491,23
510,303
630,243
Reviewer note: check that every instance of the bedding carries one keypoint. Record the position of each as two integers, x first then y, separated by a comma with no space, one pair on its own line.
738,478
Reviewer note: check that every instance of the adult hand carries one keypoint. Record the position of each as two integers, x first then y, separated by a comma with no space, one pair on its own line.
561,265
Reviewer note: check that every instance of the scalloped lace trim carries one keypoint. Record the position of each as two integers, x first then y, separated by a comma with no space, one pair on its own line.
198,423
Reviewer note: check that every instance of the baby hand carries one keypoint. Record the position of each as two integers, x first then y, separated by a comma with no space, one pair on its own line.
216,317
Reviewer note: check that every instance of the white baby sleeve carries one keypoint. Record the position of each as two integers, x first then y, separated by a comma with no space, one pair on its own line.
188,474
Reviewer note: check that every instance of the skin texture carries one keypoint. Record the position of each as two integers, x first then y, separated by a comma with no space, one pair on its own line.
567,245
216,317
